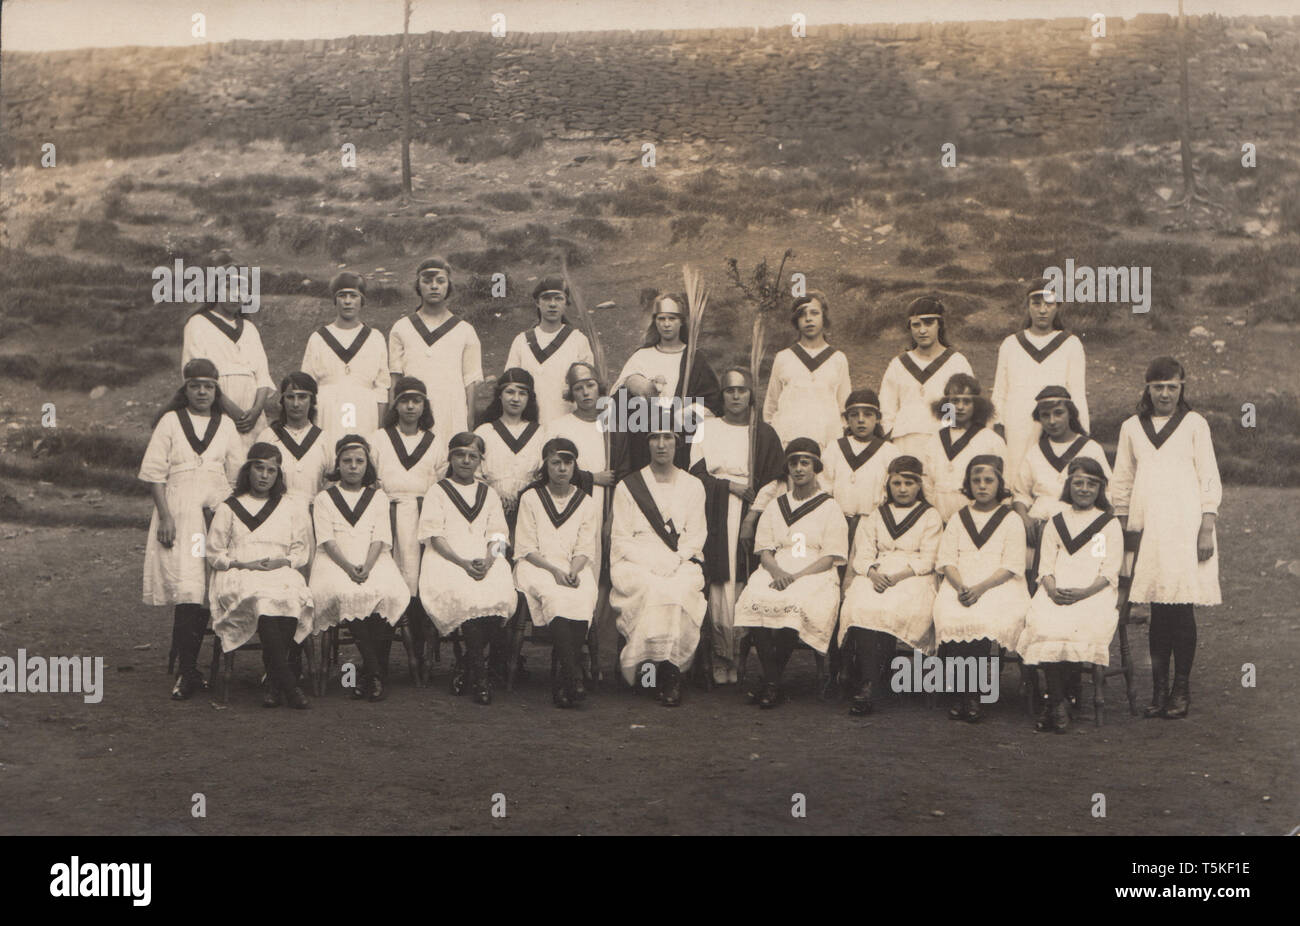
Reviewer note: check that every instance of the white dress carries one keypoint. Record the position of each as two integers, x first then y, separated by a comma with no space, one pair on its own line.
947,454
893,539
305,459
338,598
557,529
447,360
1040,481
548,357
724,448
798,533
245,529
1079,632
1000,612
593,456
1165,479
350,367
856,473
467,521
407,464
656,365
198,460
1027,363
658,591
238,354
907,392
806,393
511,458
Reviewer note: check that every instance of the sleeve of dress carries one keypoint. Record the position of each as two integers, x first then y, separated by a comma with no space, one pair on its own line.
1049,546
234,458
1121,484
433,516
155,465
765,536
1013,545
772,400
498,531
625,513
767,495
588,532
382,377
471,358
1114,552
1001,383
627,371
258,361
1207,468
322,518
1077,381
931,528
696,532
311,364
947,555
396,351
835,535
217,548
515,358
930,458
383,531
962,365
889,397
526,527
584,354
866,552
189,342
843,382
300,537
1094,450
1022,482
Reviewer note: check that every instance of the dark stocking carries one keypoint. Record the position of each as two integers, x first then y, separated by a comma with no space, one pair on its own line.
275,634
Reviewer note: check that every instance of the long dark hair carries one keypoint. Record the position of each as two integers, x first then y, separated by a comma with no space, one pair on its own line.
652,333
180,400
515,376
426,416
1092,468
1057,324
261,451
911,467
986,459
464,439
1075,425
957,384
927,305
297,378
1164,368
370,476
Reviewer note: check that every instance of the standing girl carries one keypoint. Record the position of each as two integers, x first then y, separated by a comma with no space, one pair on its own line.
1074,612
1042,354
350,362
1167,487
193,458
950,450
889,589
555,562
305,455
465,580
512,439
857,463
438,348
354,578
914,379
548,350
810,379
256,545
982,558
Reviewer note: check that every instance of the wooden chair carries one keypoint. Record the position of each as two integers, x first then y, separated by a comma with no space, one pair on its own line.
522,628
226,662
1125,668
340,635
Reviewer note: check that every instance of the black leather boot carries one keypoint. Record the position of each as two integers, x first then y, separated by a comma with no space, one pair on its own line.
862,701
1179,699
1159,692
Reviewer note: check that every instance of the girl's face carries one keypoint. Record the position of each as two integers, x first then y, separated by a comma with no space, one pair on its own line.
585,393
261,476
559,470
551,306
410,407
802,471
903,489
1084,490
514,399
812,320
352,467
297,406
984,485
1055,421
348,304
669,325
663,447
963,407
1042,313
464,463
735,401
861,421
434,285
1164,396
925,330
200,393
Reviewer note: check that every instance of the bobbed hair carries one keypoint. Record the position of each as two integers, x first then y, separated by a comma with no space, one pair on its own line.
570,378
813,295
986,459
261,451
1163,368
426,414
1092,468
958,384
371,475
515,376
927,305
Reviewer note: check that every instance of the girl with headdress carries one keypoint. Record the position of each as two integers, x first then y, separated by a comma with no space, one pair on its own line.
255,546
512,438
857,463
547,350
964,436
349,360
304,450
1167,487
438,348
809,382
192,460
914,380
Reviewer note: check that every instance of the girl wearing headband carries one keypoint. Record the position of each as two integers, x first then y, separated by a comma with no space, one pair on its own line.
963,415
256,545
914,380
1167,488
857,463
547,350
662,359
512,438
889,585
349,360
304,451
190,464
809,382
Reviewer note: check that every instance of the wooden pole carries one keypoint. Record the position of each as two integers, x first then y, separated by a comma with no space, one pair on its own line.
406,99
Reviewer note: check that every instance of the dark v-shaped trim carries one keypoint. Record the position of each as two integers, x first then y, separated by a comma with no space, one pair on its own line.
1170,427
253,521
231,332
897,530
466,511
640,492
979,538
869,451
557,516
515,444
399,447
187,426
807,359
353,515
544,354
431,336
807,507
1074,544
1072,451
921,376
293,446
344,354
1039,354
953,447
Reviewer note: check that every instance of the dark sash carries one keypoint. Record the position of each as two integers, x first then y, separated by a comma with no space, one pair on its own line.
253,521
979,538
344,354
544,354
295,448
1074,544
353,515
901,528
635,482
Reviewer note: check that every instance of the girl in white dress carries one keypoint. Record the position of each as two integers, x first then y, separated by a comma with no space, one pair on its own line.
857,463
256,545
1167,487
303,447
794,594
982,558
438,348
465,579
512,439
555,562
1042,354
809,382
410,455
354,578
964,434
1073,615
349,361
914,380
548,350
889,585
192,460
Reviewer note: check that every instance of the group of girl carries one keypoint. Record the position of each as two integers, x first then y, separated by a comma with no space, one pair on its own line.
923,513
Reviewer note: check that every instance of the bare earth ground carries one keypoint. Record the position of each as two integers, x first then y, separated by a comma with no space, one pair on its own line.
425,762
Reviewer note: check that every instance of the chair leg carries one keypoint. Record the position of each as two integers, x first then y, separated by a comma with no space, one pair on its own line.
518,630
1098,693
704,651
591,678
1126,662
322,679
412,668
